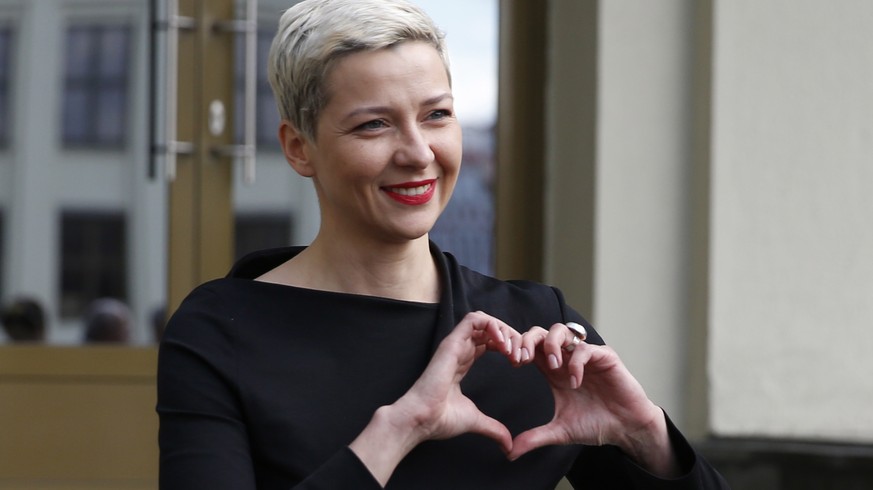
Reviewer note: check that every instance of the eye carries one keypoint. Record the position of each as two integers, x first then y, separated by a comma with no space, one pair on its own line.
439,114
371,125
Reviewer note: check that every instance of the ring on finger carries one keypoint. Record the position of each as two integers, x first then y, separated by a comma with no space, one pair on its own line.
579,336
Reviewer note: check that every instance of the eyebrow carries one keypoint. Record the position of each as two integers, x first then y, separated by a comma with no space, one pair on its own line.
385,109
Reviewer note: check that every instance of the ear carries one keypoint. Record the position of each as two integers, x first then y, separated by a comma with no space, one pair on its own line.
296,146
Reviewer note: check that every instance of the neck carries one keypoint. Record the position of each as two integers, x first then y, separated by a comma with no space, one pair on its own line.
404,271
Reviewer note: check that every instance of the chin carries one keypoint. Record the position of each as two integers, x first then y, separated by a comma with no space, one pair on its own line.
411,233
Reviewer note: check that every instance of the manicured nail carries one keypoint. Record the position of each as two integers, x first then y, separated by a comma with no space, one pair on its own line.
553,361
525,355
573,382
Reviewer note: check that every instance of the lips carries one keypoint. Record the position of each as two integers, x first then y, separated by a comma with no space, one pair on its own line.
412,193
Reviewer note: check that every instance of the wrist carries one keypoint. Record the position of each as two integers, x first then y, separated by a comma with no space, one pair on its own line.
650,447
391,434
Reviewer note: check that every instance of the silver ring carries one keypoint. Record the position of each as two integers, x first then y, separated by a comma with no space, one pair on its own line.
579,336
573,343
578,330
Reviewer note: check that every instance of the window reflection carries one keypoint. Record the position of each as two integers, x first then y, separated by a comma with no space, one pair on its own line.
87,224
466,227
96,85
258,231
266,112
93,259
79,218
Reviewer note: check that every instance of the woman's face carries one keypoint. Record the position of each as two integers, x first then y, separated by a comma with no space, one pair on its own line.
388,146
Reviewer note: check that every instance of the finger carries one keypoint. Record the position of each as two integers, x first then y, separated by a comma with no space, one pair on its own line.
529,342
507,333
465,343
484,328
577,361
544,435
495,430
556,340
514,344
504,338
515,350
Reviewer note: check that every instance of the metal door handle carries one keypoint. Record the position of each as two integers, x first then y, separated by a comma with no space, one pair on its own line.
170,147
248,148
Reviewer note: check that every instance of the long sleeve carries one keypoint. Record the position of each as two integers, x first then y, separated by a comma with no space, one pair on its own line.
204,436
608,468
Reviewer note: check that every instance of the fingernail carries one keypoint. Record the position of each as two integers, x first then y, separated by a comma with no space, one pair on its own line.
525,355
573,382
553,361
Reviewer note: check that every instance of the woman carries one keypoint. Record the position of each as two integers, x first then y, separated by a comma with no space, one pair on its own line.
370,359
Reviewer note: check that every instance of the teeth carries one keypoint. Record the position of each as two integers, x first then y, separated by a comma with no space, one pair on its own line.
411,191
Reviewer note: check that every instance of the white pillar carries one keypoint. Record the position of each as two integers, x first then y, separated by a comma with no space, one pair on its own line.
31,257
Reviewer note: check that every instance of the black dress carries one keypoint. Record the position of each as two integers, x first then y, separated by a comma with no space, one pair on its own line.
264,386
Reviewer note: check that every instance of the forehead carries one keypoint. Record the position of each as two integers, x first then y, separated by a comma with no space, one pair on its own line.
407,67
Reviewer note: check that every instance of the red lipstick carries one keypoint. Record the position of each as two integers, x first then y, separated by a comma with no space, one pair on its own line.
412,193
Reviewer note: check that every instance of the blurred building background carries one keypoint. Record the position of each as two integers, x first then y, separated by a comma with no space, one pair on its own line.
696,175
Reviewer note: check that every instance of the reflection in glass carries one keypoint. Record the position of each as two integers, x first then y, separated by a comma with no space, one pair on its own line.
259,231
80,218
266,112
96,85
266,211
93,259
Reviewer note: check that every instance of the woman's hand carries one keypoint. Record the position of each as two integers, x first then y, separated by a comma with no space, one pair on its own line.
434,407
435,403
597,402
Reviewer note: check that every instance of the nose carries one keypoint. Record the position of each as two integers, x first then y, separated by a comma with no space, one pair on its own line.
413,148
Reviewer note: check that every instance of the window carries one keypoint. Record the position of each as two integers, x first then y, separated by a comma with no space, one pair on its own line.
267,115
5,72
93,265
466,227
95,101
259,231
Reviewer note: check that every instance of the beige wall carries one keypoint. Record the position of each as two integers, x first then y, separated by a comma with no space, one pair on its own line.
733,206
791,275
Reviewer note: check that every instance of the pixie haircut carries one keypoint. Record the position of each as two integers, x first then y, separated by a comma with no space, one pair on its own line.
314,34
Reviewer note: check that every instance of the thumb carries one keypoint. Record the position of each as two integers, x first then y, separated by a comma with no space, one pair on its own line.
544,435
492,428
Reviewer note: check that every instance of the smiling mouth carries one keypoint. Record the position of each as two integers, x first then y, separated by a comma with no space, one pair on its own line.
415,193
411,191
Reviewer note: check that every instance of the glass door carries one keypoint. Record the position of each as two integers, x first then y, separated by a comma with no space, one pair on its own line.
104,195
80,219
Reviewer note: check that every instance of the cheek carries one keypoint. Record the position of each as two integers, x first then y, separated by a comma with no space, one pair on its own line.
353,165
449,153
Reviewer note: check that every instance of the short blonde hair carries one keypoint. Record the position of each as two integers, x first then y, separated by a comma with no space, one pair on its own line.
314,34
